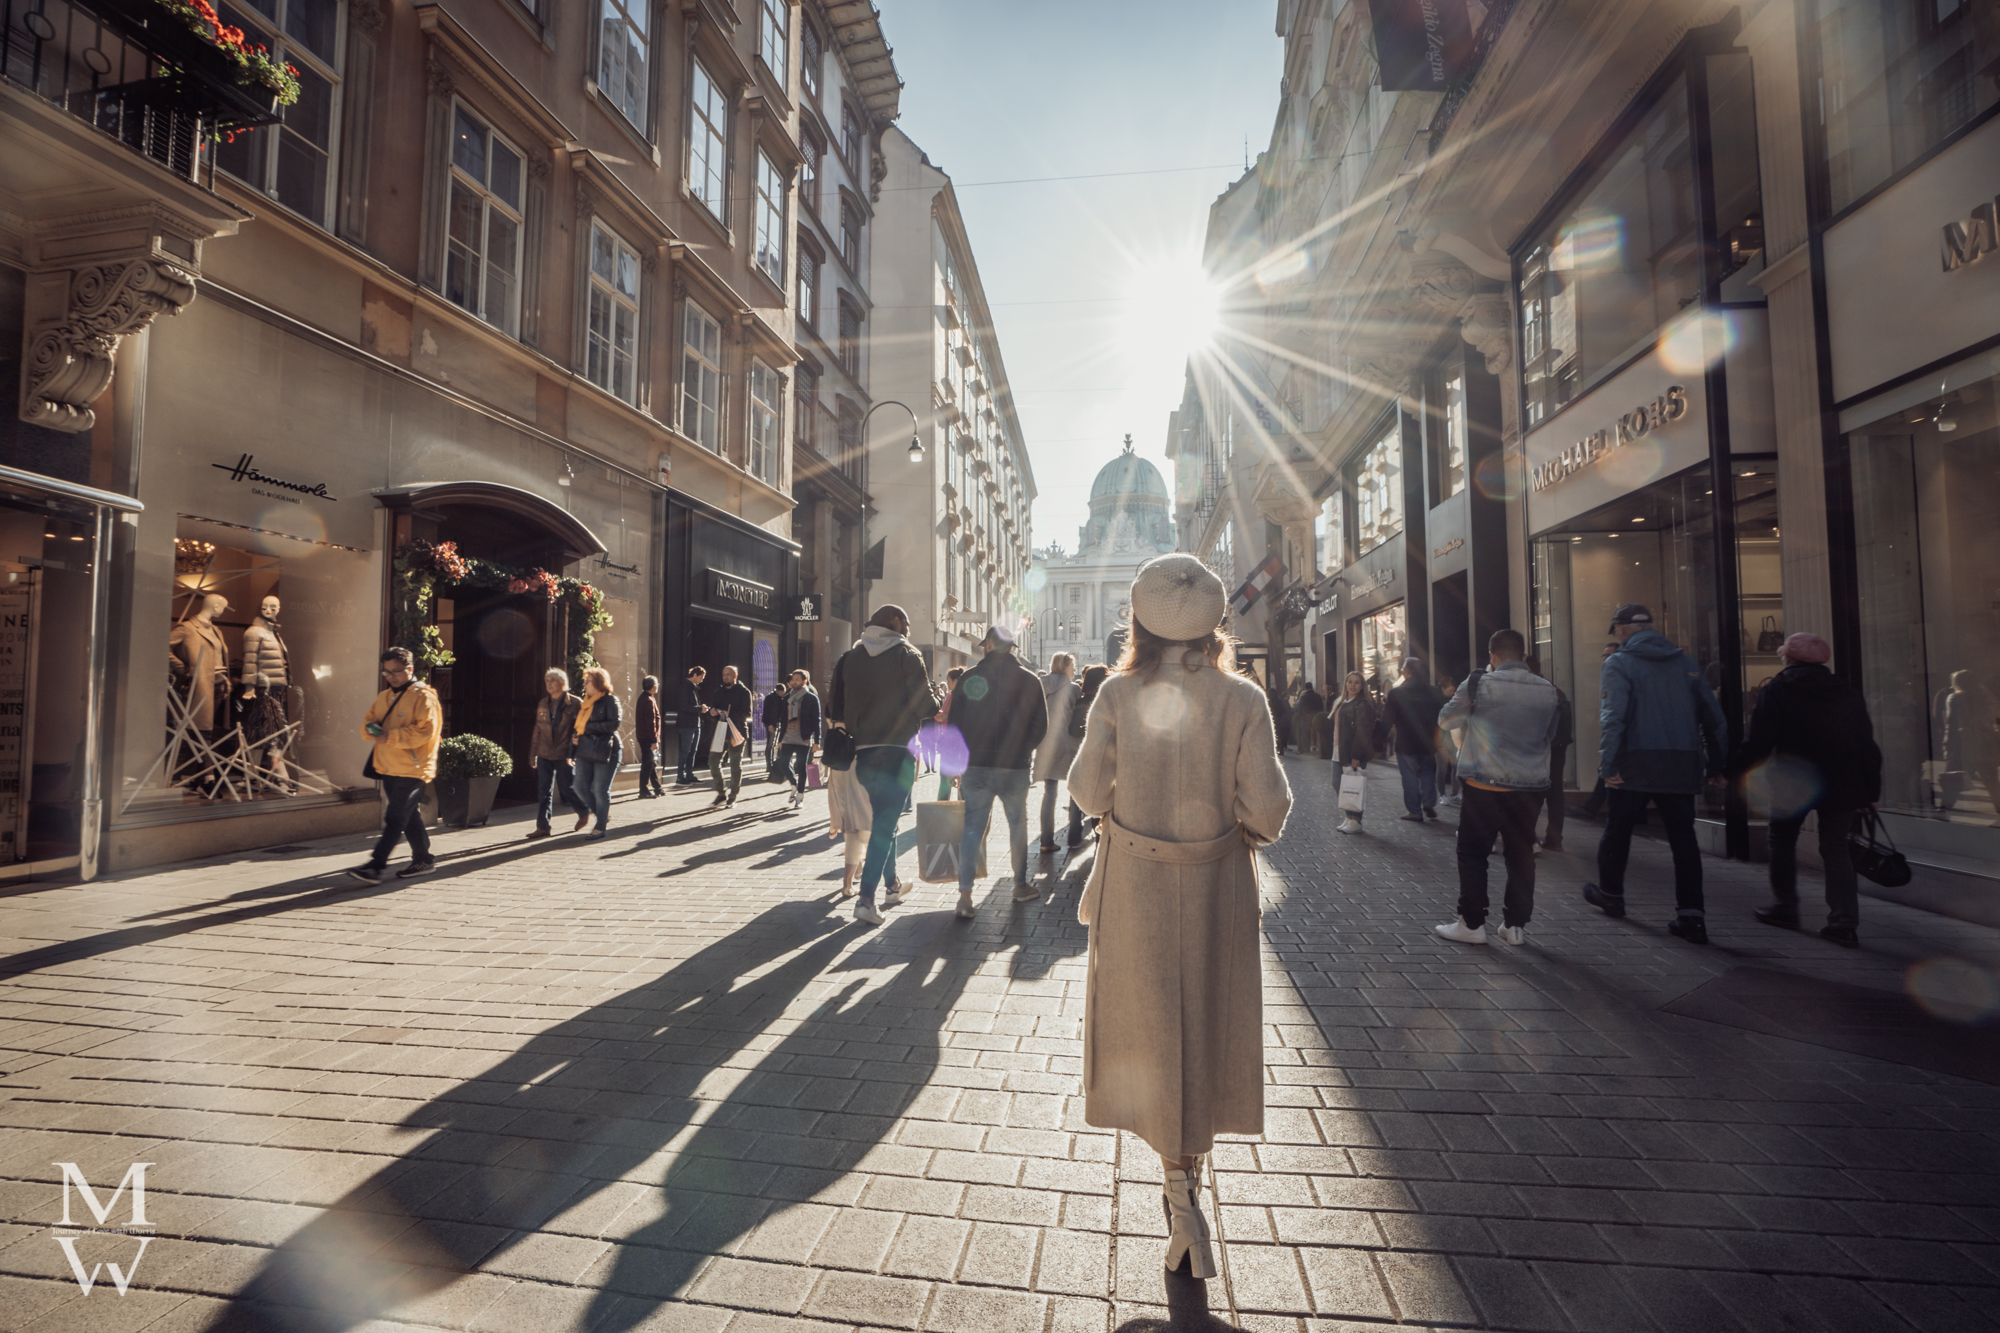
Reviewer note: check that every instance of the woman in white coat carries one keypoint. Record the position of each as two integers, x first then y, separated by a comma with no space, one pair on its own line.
1058,749
1180,764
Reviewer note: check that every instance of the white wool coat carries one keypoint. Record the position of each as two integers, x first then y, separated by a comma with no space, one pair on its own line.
1183,769
1058,748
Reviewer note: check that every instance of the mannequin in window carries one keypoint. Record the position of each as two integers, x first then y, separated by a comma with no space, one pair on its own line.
201,658
264,650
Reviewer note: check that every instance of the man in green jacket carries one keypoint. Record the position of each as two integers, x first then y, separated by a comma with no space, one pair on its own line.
880,694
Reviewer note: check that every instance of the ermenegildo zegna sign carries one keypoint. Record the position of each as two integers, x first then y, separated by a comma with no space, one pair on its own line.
733,591
1646,422
1420,45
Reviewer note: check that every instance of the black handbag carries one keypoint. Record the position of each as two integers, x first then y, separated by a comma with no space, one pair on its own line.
1770,638
836,749
1875,855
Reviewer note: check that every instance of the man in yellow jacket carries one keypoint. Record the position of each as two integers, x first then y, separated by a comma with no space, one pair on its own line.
405,723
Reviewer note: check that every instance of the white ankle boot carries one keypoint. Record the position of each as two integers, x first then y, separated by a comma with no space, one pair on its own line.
1181,1201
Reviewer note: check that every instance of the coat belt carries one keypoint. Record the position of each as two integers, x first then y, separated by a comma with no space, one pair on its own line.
1140,848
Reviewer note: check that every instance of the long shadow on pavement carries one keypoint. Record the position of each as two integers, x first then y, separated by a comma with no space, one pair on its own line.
596,1100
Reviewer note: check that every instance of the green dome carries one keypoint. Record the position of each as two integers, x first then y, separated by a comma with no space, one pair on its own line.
1128,474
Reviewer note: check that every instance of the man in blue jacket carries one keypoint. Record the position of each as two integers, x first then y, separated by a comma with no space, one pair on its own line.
1662,739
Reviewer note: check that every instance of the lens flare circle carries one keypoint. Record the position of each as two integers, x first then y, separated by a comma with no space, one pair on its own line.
1593,241
1954,989
1694,345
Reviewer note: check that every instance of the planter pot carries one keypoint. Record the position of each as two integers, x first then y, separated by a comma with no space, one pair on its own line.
465,802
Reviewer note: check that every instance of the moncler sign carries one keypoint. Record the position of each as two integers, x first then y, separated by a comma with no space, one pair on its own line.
1633,426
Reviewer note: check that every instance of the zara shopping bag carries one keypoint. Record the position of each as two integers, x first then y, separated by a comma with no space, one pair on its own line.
940,828
1353,790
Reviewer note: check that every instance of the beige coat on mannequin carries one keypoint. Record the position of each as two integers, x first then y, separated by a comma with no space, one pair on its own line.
1183,768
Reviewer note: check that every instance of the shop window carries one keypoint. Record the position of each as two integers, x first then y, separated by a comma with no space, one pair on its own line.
1381,642
482,267
622,56
612,355
292,161
767,415
261,692
708,142
1898,77
1448,432
1620,262
701,378
1926,548
769,255
1375,480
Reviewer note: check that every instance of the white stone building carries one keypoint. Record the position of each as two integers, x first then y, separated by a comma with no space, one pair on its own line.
1085,599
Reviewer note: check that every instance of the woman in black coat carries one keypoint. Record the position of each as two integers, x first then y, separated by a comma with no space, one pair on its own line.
1353,724
599,750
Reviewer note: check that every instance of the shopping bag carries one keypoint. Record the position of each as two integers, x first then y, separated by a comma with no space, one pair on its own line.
1353,788
940,829
718,740
813,779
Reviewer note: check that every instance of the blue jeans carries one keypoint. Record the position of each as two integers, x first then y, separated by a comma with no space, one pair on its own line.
1420,780
690,742
887,772
552,775
593,788
979,786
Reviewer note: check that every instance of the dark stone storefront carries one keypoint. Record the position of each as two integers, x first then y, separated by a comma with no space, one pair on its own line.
729,593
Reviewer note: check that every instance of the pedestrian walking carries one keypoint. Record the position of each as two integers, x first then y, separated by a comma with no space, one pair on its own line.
1811,734
772,715
598,747
688,706
1555,799
1093,680
1508,716
1593,804
551,748
1057,750
1353,724
849,817
727,736
999,709
880,695
1308,718
798,733
1661,740
1412,709
1180,764
1281,717
646,733
939,733
405,725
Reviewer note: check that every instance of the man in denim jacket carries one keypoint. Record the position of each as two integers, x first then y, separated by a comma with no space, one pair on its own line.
1508,717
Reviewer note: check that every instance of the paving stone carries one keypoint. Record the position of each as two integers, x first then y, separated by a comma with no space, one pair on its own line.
857,1298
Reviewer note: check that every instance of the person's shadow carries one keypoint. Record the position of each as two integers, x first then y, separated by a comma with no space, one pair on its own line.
590,1103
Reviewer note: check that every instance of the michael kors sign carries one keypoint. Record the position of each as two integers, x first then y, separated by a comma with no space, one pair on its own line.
1634,425
1969,241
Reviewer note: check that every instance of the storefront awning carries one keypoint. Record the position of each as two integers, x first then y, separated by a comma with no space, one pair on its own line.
579,541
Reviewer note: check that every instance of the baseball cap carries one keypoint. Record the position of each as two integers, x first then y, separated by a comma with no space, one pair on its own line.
1631,614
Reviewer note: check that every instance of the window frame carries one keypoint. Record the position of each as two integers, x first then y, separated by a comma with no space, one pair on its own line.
770,217
458,177
811,169
285,48
808,272
851,136
850,237
847,344
596,285
805,406
774,28
625,9
812,59
701,125
691,383
763,441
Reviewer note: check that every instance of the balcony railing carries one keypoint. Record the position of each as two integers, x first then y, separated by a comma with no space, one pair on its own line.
133,70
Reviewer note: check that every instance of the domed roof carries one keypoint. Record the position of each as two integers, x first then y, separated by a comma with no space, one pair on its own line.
1128,474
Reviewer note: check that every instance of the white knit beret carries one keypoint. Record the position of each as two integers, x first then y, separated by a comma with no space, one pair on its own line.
1177,597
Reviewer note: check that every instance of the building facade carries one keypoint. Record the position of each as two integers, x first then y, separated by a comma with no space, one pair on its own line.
951,535
486,344
1083,601
1671,303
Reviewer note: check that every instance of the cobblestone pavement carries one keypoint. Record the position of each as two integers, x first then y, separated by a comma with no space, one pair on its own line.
664,1082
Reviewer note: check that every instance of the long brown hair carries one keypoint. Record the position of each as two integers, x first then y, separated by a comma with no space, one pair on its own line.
1145,650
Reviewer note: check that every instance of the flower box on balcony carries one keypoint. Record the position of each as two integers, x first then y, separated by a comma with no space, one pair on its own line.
237,92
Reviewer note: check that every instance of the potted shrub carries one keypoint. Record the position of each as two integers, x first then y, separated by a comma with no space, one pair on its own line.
469,769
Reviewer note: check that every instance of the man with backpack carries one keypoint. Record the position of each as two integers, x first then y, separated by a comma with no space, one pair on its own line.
1508,716
1662,739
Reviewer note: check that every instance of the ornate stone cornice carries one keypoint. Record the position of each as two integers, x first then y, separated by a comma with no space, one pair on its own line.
70,362
367,15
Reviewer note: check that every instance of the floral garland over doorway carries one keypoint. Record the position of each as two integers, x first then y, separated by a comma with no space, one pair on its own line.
424,569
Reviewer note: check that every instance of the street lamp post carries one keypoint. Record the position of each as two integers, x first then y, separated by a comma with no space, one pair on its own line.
916,441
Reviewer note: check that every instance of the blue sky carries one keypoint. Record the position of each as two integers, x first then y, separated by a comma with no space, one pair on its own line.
1087,87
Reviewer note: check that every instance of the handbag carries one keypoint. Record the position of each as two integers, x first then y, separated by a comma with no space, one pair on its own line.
940,830
1770,639
1875,855
837,749
1353,791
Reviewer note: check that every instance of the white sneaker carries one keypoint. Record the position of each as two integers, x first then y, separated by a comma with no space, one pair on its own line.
1461,933
1349,826
1515,935
894,894
865,911
964,909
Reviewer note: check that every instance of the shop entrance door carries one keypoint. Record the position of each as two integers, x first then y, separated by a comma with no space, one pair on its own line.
1451,629
502,644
